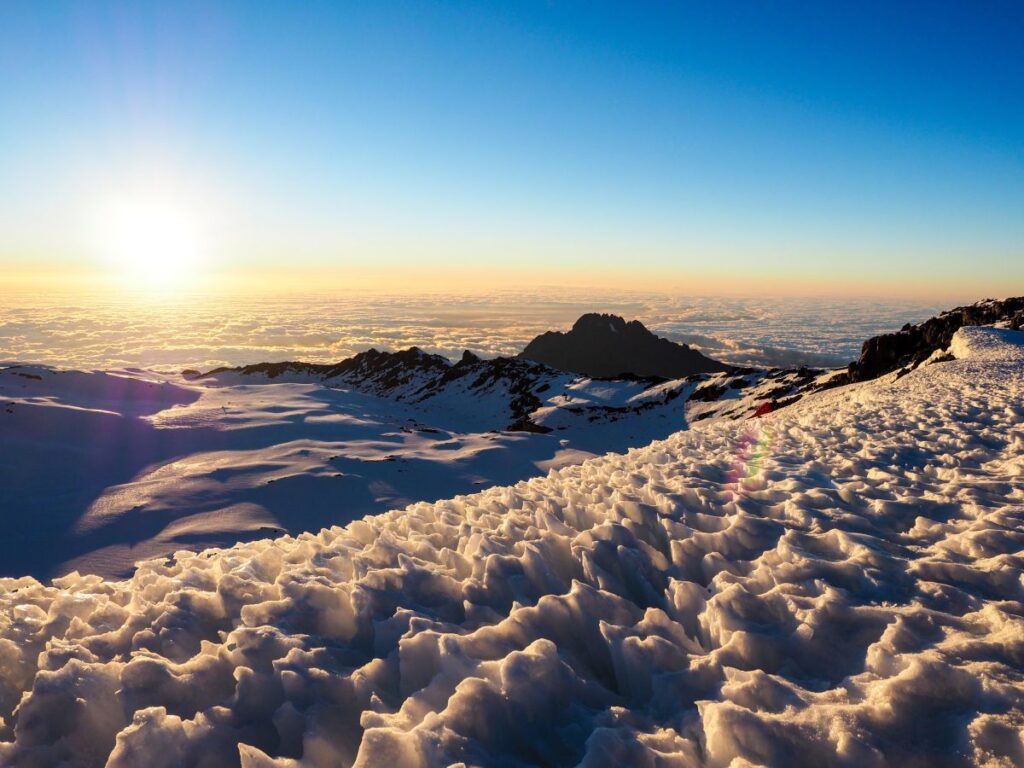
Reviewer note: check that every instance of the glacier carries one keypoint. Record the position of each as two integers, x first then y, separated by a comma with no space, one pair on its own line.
836,583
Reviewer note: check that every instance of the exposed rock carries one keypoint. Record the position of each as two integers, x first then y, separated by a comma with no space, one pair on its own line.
708,392
414,376
375,371
913,344
606,345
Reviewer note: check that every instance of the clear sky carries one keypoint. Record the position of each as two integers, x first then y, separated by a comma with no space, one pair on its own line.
722,146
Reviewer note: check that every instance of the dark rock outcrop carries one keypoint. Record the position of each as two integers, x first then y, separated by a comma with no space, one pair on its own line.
913,344
373,369
523,380
606,345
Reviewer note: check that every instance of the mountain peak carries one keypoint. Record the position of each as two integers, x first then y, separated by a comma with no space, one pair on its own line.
599,321
606,345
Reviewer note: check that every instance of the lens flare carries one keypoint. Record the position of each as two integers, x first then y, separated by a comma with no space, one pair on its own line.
753,449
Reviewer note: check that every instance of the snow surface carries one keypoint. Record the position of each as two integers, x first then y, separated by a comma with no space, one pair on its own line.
109,468
838,583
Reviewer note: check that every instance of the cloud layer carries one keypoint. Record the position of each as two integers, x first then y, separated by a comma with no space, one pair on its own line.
202,332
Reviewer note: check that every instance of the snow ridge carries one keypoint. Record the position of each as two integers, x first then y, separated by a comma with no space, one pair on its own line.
839,583
520,395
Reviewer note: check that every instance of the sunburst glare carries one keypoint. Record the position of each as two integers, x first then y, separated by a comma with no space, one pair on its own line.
151,242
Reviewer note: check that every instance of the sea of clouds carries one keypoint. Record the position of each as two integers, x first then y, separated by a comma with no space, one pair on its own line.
203,331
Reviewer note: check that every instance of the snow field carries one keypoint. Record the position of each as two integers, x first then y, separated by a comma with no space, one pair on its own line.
838,583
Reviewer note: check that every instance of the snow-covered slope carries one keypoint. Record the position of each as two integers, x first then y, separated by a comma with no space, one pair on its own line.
99,470
837,583
107,468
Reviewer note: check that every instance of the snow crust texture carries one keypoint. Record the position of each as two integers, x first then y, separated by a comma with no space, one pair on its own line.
109,468
839,583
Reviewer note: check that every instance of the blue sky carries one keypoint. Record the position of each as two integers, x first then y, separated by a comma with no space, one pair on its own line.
868,144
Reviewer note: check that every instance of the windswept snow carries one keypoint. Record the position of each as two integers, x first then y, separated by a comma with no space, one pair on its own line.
108,468
838,583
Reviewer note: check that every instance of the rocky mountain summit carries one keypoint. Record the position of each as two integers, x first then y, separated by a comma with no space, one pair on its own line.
606,346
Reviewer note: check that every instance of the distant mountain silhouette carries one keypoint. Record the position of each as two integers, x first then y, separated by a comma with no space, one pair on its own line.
606,345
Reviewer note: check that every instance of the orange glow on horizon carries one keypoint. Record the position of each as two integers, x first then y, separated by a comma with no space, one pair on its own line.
407,279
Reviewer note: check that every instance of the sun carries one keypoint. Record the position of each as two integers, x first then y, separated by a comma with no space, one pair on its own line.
151,242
